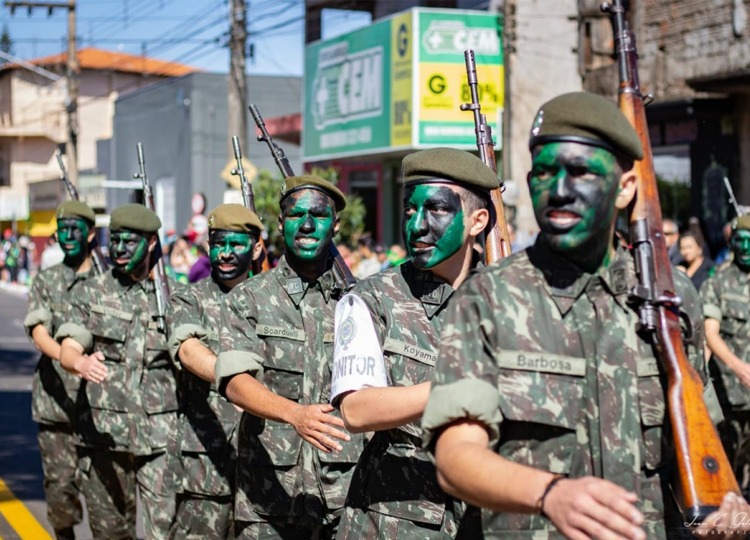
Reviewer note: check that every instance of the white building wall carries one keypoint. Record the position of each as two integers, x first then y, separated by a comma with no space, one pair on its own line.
544,64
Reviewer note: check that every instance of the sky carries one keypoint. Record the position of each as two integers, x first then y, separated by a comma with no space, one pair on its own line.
193,32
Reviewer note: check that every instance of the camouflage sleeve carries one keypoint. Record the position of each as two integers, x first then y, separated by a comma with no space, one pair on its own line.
186,321
239,345
464,381
695,310
38,311
710,297
76,326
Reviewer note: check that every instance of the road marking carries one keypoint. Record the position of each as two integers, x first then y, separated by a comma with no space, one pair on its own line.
19,517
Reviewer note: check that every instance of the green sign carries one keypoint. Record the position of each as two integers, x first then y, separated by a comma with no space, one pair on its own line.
398,84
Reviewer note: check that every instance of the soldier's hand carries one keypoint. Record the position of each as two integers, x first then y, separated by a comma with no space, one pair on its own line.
742,370
588,508
315,425
91,367
731,520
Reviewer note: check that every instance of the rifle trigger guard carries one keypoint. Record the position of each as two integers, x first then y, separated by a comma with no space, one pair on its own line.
688,328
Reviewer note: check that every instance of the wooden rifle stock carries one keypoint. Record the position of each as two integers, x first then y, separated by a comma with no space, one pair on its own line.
100,264
342,275
497,239
160,276
705,474
248,198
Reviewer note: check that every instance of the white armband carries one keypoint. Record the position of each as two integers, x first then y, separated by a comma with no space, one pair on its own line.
357,355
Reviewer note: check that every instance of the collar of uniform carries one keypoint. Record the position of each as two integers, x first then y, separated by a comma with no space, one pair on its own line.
71,277
565,282
296,287
738,273
432,292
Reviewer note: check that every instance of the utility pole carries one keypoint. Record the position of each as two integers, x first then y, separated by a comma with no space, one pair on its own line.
237,98
72,74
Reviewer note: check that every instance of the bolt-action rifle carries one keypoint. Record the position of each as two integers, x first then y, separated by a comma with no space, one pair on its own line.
248,199
343,276
497,239
100,264
160,276
704,472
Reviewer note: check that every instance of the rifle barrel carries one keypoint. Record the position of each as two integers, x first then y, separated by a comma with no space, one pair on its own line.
345,280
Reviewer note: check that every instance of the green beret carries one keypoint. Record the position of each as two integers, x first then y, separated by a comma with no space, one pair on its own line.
134,217
741,223
308,181
234,217
75,209
585,118
448,164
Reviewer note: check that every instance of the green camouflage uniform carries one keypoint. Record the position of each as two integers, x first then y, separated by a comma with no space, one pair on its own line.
53,396
207,447
123,423
394,492
725,299
280,330
550,361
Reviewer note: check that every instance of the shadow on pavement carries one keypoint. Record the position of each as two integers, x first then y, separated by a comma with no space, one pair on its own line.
20,465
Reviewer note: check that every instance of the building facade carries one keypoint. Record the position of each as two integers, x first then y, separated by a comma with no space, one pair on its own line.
182,124
33,125
694,59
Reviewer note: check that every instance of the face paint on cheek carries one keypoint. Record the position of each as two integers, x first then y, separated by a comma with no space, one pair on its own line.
433,224
72,234
741,247
308,225
128,250
231,254
573,189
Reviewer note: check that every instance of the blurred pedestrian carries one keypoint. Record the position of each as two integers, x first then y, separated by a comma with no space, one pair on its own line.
52,253
695,263
671,239
369,263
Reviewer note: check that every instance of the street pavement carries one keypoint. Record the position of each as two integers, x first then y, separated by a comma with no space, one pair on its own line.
22,505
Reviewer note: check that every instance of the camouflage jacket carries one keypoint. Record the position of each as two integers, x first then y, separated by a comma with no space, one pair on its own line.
207,422
135,407
550,361
726,298
54,390
280,330
395,476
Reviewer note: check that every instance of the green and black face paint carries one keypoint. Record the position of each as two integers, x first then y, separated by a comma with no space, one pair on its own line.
308,225
128,250
741,248
432,224
72,235
573,190
231,254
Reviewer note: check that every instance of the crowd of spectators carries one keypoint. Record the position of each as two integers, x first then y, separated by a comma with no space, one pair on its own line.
17,256
690,253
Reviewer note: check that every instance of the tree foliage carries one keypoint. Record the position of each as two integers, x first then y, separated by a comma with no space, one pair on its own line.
266,188
6,43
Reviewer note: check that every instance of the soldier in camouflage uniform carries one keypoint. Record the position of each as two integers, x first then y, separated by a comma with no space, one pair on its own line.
400,313
128,402
54,390
275,357
547,407
727,319
207,433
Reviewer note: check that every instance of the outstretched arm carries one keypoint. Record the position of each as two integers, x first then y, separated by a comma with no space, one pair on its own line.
581,508
314,423
377,409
